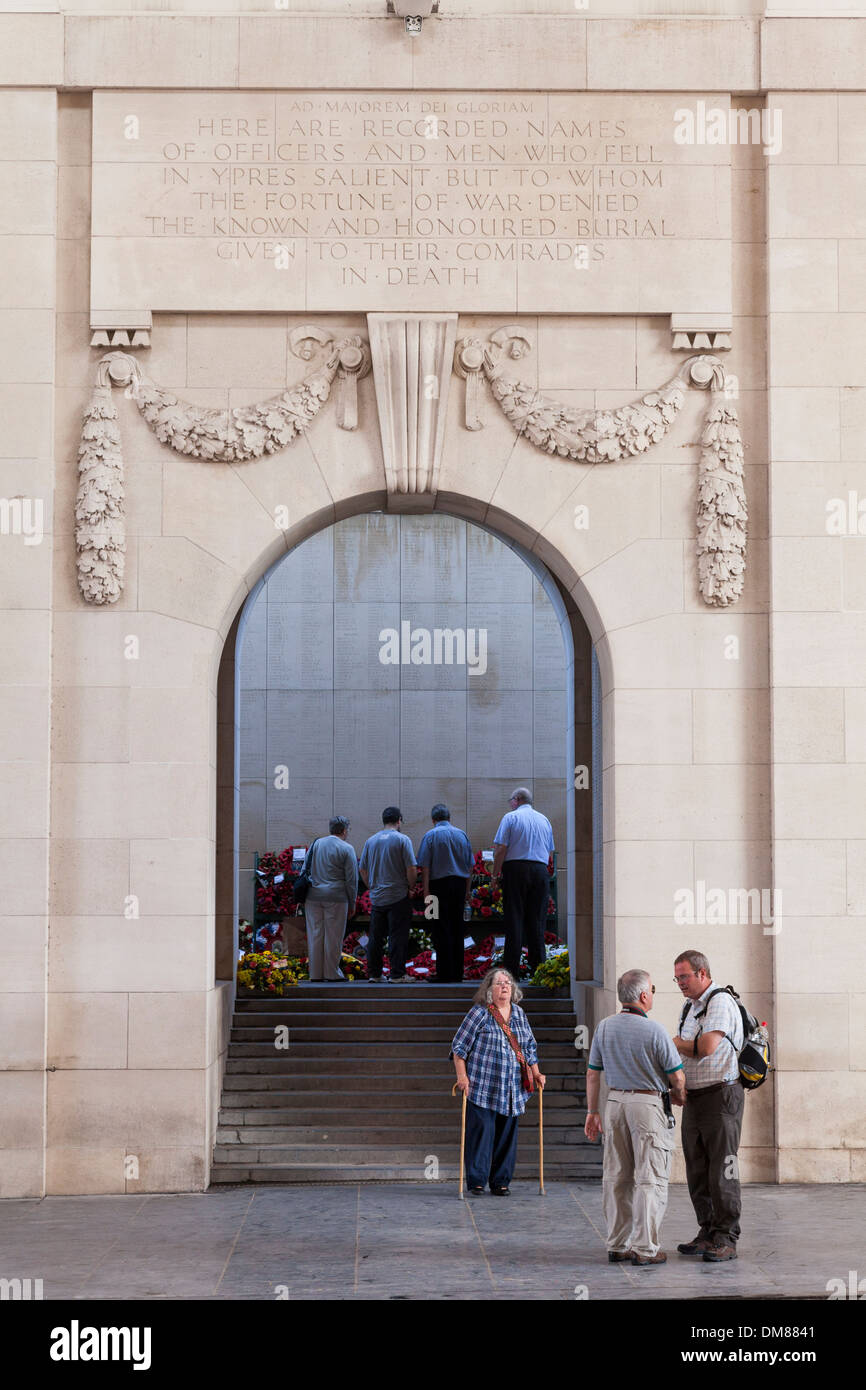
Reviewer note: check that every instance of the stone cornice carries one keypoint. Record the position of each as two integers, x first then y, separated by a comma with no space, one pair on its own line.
249,51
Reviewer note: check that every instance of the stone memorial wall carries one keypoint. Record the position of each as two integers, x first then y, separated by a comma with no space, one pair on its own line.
501,210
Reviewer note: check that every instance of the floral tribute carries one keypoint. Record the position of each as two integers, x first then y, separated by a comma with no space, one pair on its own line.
269,972
553,972
266,969
275,880
264,972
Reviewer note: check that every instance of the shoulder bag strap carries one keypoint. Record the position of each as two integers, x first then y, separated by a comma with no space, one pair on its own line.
525,1073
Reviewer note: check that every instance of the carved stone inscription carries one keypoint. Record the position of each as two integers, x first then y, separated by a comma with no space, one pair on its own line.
322,201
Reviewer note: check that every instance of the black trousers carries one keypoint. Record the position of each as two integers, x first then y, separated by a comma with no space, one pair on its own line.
491,1146
393,921
711,1137
525,891
447,930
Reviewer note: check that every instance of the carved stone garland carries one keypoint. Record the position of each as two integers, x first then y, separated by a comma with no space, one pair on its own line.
237,435
249,432
605,436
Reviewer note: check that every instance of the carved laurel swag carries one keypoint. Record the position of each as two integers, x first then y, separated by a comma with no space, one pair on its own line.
230,436
242,433
606,436
590,436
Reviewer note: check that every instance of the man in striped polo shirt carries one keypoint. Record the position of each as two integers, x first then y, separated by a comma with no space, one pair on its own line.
640,1064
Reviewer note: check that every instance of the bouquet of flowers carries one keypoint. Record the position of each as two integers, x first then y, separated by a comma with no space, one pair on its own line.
478,959
275,877
352,967
553,972
264,973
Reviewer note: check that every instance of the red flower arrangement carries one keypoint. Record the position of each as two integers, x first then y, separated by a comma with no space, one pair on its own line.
276,897
477,960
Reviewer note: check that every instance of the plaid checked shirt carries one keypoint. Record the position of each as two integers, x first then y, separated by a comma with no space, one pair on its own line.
722,1016
493,1069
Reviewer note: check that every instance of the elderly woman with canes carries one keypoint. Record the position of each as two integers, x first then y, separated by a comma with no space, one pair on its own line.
496,1060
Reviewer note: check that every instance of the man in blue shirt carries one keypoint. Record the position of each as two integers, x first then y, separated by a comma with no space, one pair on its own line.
523,848
387,866
445,858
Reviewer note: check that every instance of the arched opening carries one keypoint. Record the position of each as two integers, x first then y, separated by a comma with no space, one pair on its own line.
579,844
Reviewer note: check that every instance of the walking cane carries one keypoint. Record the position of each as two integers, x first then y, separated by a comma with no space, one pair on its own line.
462,1136
541,1191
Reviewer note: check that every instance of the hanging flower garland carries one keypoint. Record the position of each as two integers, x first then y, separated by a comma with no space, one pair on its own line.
590,436
100,533
722,511
608,436
229,436
249,432
242,433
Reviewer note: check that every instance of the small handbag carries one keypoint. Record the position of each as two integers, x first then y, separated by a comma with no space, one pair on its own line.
525,1074
304,882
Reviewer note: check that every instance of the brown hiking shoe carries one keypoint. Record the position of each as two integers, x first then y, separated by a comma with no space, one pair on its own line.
659,1258
618,1257
719,1252
696,1246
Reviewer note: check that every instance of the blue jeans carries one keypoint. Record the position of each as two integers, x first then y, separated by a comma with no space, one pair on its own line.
491,1146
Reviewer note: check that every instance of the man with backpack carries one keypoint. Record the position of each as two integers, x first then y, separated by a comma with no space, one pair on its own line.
710,1039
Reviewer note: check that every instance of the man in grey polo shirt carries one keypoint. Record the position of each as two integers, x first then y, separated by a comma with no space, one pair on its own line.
388,867
640,1064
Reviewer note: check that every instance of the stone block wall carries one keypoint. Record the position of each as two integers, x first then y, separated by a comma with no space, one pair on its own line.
733,748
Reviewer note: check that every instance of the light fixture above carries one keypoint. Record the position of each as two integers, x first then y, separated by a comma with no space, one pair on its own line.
413,13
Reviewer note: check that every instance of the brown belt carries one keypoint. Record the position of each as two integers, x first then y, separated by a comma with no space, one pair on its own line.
626,1092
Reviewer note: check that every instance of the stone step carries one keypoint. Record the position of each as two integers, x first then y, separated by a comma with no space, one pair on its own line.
437,1069
410,996
363,1091
356,1104
254,1126
314,1078
388,1003
373,1031
354,1154
379,1018
351,1047
312,1172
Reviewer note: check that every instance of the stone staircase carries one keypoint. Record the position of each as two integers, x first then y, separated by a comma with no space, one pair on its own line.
362,1093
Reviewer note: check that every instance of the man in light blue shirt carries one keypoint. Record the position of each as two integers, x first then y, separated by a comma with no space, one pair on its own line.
445,857
523,850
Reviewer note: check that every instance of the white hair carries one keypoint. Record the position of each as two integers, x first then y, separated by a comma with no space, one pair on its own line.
631,985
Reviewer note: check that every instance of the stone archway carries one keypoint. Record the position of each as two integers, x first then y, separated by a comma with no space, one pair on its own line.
581,739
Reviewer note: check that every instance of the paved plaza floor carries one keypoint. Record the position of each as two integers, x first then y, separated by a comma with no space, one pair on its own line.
403,1241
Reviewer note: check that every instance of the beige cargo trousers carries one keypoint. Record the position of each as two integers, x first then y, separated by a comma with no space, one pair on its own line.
638,1150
